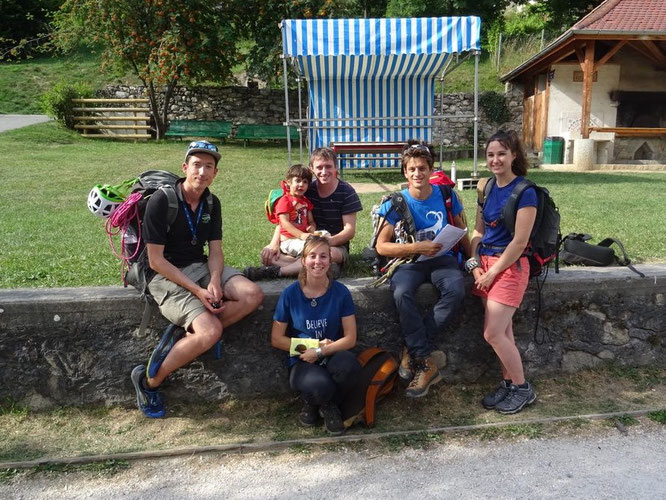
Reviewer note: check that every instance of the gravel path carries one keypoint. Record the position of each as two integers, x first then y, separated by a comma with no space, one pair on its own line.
606,465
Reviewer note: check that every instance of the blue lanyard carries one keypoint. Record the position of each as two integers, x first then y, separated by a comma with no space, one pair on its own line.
193,227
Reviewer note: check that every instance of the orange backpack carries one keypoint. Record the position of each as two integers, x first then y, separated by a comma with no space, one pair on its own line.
378,378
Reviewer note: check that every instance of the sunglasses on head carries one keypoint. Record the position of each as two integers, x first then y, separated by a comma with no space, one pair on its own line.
202,145
417,147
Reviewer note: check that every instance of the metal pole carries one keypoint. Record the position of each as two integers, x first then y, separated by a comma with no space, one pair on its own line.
475,174
441,124
300,117
499,50
286,107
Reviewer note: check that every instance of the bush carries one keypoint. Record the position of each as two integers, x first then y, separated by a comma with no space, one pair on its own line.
58,104
494,106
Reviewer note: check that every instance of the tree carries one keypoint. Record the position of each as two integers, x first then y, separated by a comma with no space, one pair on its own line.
24,27
163,42
562,14
260,19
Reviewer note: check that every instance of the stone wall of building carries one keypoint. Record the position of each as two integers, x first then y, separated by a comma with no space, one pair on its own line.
267,106
73,346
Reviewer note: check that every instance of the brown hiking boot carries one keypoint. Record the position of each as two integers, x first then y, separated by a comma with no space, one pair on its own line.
426,374
405,371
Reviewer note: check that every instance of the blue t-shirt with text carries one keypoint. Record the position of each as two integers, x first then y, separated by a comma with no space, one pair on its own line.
323,320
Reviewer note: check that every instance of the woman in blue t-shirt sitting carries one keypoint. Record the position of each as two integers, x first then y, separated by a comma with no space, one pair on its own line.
320,308
502,270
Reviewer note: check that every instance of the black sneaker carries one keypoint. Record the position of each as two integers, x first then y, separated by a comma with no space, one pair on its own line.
332,418
309,415
171,335
492,399
262,273
149,401
517,399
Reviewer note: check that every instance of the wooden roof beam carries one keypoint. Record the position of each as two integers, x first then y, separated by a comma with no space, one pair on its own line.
580,54
609,54
658,55
640,47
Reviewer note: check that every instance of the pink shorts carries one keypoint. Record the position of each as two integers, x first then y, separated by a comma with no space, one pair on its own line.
510,285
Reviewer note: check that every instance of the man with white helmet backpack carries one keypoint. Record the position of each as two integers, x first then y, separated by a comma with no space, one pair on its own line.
193,290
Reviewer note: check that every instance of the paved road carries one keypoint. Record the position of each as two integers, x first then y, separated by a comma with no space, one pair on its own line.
607,465
9,122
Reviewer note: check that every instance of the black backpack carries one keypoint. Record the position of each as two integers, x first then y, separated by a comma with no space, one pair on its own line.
577,251
134,253
545,238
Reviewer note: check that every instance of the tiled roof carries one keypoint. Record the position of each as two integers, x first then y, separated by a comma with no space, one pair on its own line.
626,15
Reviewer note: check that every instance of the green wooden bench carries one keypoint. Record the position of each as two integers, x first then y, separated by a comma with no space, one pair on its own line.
199,128
250,131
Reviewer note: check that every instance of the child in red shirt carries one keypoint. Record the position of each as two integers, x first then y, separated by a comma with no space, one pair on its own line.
294,211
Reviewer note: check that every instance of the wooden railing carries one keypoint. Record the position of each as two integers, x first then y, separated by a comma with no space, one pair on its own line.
632,131
129,118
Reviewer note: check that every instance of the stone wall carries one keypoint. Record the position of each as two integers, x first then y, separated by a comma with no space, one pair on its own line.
639,150
236,104
457,132
73,346
254,105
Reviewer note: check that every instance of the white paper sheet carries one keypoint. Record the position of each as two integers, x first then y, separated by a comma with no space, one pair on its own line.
448,237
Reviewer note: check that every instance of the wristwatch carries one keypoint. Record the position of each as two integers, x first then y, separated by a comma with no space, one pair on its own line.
320,355
471,264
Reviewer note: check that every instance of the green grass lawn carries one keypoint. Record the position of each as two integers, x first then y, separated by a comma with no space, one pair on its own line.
23,82
50,239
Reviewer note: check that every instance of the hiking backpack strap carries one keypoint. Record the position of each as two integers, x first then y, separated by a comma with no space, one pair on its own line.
625,261
508,215
483,187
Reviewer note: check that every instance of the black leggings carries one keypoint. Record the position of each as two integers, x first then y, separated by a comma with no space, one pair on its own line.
331,382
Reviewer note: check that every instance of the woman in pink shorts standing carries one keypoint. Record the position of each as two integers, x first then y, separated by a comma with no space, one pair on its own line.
501,270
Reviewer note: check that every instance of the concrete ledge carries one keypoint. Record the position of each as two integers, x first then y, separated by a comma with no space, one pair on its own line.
72,346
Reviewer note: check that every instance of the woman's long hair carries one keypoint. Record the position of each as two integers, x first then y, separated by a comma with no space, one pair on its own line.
511,141
311,242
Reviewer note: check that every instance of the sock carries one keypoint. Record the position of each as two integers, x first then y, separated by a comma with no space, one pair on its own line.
507,381
523,386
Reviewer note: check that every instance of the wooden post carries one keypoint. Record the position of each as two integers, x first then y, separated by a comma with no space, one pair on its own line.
588,75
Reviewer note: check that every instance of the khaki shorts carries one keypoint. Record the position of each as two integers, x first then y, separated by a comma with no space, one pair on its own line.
344,252
178,305
292,246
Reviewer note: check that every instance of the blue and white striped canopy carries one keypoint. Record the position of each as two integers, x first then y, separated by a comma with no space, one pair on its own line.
363,70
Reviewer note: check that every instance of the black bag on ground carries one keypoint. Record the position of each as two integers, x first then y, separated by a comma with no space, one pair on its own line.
577,251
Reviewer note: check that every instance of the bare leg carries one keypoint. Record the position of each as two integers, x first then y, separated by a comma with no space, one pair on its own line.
241,297
206,331
498,332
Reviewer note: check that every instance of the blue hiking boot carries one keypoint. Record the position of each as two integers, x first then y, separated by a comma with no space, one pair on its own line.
149,401
171,335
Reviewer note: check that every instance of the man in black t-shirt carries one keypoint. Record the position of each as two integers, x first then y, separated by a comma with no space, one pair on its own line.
193,291
335,207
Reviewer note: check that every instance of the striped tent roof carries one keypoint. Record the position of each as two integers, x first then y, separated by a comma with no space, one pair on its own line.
360,69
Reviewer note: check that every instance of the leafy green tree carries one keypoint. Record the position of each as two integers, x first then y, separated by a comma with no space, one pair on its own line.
562,14
259,21
164,42
24,27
